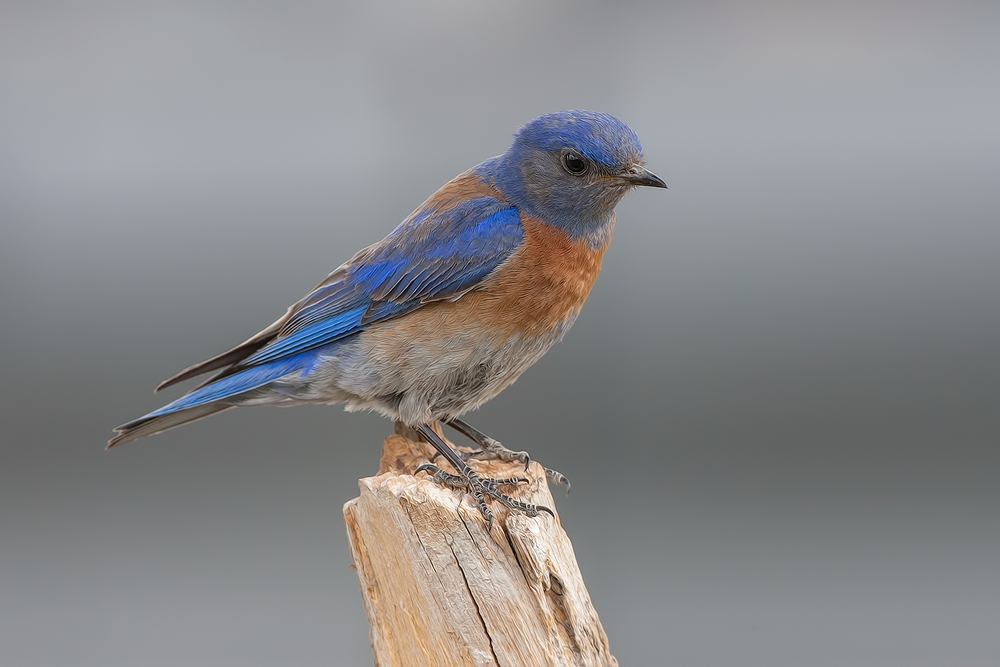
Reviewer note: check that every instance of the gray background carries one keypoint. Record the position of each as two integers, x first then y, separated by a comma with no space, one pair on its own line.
778,410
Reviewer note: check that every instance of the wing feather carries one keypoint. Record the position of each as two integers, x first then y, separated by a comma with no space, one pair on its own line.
431,256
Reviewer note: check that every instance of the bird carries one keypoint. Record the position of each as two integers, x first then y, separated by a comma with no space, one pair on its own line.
450,308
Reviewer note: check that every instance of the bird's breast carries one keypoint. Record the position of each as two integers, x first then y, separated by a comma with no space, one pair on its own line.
499,328
542,284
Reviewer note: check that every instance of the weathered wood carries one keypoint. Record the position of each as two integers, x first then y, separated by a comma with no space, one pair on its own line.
439,589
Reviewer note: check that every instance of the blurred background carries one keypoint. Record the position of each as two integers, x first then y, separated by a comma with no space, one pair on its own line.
778,410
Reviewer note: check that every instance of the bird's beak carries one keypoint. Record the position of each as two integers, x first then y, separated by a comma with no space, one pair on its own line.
639,175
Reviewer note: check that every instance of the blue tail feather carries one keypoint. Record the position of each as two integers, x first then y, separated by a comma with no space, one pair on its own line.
238,383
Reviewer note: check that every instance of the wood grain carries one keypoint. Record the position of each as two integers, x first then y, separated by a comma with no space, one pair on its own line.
439,589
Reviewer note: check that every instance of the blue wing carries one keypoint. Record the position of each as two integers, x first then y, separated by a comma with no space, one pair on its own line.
430,257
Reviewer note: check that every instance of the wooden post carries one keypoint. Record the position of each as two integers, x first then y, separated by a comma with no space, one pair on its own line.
439,589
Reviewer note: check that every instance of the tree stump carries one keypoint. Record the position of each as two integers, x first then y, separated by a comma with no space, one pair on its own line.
440,589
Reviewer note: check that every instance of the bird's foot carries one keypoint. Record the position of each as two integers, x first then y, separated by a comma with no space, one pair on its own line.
557,478
492,449
482,487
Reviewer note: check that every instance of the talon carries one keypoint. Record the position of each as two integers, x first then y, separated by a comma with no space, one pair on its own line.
480,487
490,448
557,478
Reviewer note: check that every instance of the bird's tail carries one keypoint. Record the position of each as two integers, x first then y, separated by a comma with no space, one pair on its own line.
140,428
213,397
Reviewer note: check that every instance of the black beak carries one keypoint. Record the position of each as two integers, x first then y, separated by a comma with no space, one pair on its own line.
639,175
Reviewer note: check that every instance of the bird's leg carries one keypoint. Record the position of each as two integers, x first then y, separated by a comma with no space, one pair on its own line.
492,449
467,478
489,448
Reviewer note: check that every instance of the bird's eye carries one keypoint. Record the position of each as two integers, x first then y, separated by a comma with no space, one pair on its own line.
574,163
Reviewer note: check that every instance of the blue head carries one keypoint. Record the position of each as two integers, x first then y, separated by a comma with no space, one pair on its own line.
570,169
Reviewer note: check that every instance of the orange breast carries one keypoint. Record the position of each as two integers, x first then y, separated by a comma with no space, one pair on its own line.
546,280
543,283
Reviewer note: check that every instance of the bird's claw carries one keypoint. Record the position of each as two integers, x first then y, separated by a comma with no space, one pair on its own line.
557,478
482,487
492,449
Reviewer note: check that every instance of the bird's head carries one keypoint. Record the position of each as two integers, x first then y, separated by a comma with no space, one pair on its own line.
571,168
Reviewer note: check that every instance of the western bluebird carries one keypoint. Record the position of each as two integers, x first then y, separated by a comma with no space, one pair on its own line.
451,307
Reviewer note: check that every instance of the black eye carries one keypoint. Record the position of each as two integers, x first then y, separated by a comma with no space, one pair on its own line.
574,163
